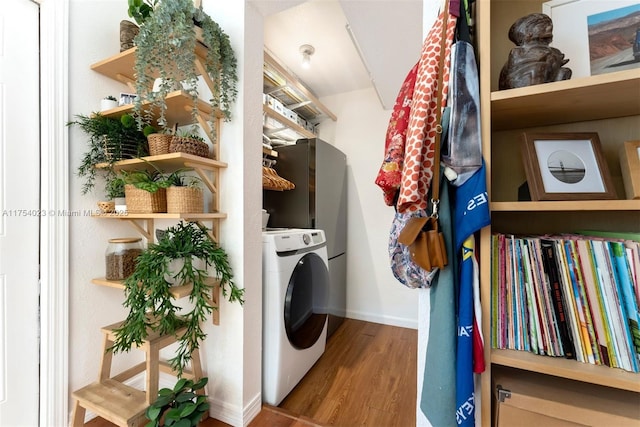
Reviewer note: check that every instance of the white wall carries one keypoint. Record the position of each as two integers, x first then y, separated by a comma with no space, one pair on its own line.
231,353
373,294
93,35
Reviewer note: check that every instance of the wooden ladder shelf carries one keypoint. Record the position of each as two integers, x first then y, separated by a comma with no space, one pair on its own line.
122,404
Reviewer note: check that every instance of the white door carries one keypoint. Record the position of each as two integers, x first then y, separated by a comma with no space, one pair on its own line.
19,212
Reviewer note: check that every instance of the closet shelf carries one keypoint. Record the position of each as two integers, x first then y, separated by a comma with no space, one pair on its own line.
282,85
566,368
285,125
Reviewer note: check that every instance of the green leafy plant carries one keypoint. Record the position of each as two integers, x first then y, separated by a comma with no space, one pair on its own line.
169,32
180,179
140,10
110,140
148,291
111,98
114,185
181,406
150,180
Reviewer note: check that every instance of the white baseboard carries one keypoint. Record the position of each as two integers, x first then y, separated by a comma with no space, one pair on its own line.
385,320
252,409
232,414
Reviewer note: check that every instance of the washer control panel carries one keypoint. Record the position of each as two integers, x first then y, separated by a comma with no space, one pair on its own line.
293,240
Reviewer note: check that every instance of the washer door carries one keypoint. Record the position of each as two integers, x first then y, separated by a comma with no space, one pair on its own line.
305,305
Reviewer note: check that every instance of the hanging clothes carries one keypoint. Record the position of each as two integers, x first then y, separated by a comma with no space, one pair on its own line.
438,394
417,171
462,154
390,172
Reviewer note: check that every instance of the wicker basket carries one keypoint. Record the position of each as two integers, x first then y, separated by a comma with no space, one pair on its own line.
141,201
158,143
185,200
107,206
180,144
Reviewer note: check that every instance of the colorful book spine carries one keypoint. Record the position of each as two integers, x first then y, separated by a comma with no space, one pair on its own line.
628,301
595,300
559,306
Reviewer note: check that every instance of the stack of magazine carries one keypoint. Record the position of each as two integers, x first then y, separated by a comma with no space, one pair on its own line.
573,296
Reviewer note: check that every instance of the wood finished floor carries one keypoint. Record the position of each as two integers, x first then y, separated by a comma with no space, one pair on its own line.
366,377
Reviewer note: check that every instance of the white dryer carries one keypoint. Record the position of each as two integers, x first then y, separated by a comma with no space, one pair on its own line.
295,280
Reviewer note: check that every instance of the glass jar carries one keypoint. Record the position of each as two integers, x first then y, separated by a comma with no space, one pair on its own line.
120,257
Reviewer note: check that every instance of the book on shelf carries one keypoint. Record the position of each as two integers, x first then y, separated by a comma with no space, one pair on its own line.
551,271
580,291
595,300
570,303
622,275
569,295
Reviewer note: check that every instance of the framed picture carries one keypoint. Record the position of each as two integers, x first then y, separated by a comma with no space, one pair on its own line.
566,166
630,167
597,36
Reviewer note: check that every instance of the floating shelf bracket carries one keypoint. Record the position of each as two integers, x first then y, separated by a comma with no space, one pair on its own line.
146,231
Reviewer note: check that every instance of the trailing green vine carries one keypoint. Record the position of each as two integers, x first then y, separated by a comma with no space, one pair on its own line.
148,291
168,32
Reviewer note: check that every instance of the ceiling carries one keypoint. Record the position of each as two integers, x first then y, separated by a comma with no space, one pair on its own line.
387,33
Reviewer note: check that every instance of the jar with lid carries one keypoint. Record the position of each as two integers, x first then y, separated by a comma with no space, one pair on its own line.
120,257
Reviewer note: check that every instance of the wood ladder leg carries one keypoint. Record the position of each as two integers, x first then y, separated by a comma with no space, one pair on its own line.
153,371
196,367
77,417
106,358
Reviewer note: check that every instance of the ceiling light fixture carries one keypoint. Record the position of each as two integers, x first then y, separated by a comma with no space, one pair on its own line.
306,50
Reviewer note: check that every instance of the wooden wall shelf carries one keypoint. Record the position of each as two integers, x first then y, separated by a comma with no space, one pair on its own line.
588,98
178,110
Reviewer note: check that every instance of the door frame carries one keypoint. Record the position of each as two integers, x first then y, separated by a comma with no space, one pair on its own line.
54,229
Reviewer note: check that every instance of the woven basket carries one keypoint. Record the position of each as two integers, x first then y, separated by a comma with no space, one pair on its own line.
185,200
107,206
141,201
180,144
158,143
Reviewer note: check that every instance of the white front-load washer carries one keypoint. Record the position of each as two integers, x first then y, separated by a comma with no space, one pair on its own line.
295,296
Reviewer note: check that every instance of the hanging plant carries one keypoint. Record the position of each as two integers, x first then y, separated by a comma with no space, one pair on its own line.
168,35
110,140
148,291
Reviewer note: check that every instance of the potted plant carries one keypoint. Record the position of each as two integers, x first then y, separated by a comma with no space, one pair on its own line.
145,190
168,31
184,193
190,143
108,102
110,140
148,297
184,405
114,190
140,10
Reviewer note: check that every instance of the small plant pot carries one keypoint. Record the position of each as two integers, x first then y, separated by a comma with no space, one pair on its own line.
175,265
120,204
181,144
185,200
114,150
142,201
158,143
108,104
